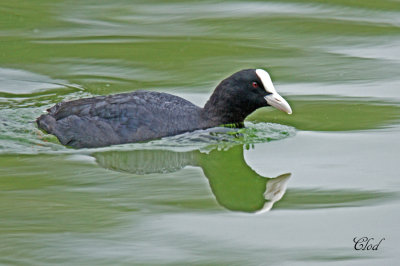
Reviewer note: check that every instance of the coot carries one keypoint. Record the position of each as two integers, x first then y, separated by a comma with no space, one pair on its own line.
145,115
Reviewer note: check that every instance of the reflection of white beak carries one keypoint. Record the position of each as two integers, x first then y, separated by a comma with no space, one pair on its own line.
275,190
278,102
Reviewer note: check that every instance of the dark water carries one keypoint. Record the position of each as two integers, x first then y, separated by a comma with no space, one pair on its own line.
286,190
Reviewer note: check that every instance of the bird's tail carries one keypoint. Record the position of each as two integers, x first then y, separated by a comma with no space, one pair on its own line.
47,123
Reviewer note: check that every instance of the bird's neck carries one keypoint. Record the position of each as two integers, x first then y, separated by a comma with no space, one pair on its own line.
222,113
222,109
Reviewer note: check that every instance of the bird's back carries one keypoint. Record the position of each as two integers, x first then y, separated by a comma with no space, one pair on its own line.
120,118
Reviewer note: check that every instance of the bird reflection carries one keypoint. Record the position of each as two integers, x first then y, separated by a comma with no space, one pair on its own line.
234,184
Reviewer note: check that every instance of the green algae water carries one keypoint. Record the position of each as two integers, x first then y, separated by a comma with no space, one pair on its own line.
286,190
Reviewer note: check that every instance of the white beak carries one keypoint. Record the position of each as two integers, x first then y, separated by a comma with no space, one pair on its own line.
278,102
273,99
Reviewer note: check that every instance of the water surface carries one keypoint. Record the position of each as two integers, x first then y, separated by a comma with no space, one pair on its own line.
286,190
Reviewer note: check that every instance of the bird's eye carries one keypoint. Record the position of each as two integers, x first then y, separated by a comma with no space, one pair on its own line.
255,84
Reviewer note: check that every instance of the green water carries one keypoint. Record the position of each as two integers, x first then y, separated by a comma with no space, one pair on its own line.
286,190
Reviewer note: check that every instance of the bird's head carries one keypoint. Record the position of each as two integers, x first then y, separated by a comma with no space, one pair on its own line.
242,93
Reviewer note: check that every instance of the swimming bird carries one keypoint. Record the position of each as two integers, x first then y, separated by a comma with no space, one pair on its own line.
144,115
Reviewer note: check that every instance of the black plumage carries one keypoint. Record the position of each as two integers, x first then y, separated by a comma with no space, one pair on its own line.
144,115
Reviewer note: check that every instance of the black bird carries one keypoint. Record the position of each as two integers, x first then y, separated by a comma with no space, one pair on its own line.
145,115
